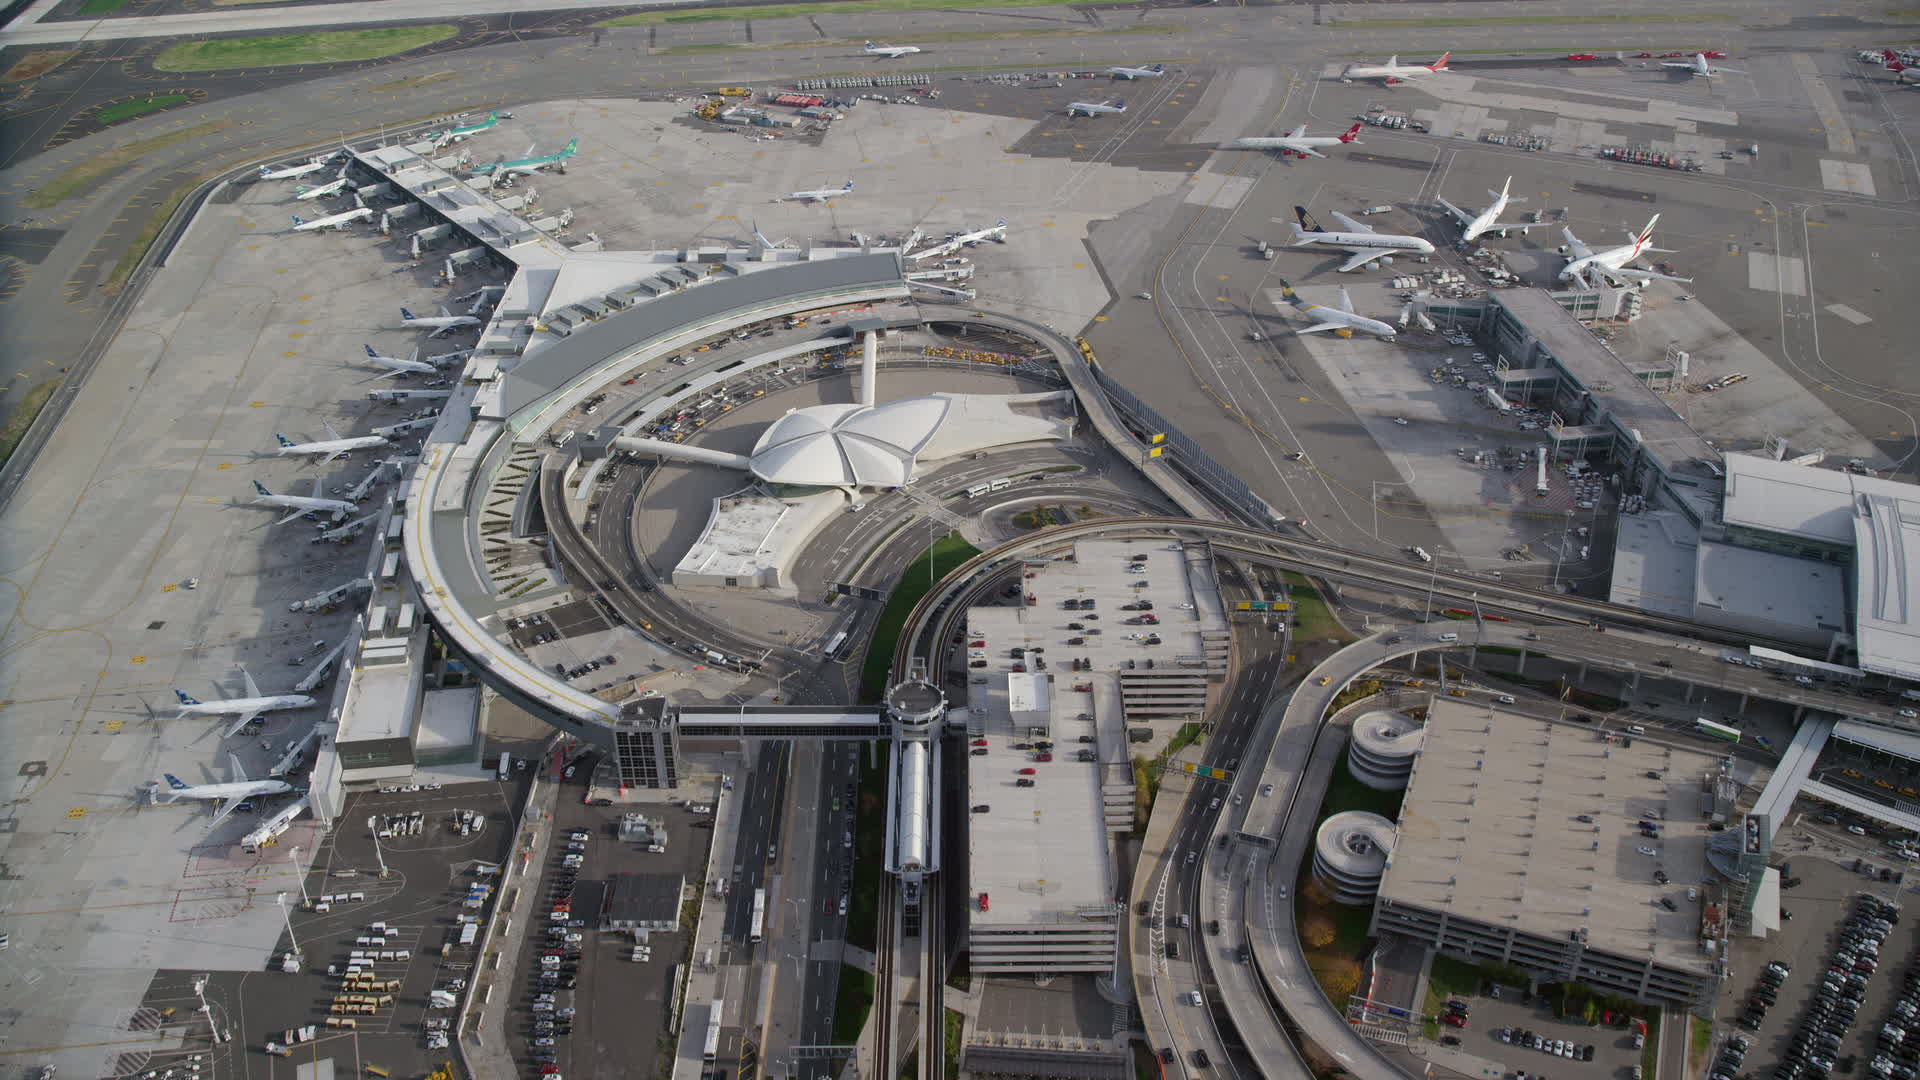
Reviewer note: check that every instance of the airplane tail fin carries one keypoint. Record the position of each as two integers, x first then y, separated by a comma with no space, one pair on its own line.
186,698
297,222
848,187
261,488
1001,224
265,172
407,316
174,782
1646,235
370,351
283,440
572,147
1307,224
1352,135
1440,64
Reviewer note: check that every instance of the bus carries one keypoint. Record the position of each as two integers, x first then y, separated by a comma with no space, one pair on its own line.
1719,731
757,931
506,766
711,1052
834,645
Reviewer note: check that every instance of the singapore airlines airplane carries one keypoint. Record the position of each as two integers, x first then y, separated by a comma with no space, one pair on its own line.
299,505
334,446
1361,241
229,795
818,194
332,221
1296,142
1585,265
1699,66
443,323
332,187
1473,226
891,52
1392,70
1340,318
248,708
1153,72
311,166
1094,108
396,366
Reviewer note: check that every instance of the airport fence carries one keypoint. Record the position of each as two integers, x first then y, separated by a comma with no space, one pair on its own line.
1230,490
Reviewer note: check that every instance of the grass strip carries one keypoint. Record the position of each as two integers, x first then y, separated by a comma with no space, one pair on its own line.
329,47
869,835
933,564
851,1004
791,11
23,416
1529,20
102,7
1650,1053
127,110
35,64
958,35
130,258
1312,619
96,168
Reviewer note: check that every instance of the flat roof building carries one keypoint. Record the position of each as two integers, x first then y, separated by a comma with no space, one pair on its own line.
643,903
1519,842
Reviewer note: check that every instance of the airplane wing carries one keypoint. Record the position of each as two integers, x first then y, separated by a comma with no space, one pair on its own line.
1459,215
237,773
1509,226
1644,275
1319,326
1363,256
1576,249
328,459
1306,150
245,719
227,806
331,434
291,514
1346,302
1352,224
1297,132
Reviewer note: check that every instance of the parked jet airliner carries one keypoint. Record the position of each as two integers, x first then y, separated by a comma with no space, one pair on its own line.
248,708
229,795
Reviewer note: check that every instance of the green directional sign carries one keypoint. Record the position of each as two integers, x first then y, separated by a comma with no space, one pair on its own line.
1205,772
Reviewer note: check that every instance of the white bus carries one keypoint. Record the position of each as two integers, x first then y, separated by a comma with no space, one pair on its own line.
711,1052
757,931
506,766
834,645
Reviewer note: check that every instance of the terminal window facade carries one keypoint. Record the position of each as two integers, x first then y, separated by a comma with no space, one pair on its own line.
374,753
645,759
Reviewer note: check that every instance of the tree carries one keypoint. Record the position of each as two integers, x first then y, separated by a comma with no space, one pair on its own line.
1318,931
1339,977
1316,893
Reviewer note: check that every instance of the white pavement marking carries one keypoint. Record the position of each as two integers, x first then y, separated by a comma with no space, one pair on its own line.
1854,316
1839,135
1776,273
1853,177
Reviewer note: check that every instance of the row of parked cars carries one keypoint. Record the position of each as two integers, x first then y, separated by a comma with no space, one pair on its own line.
1565,1048
1897,1046
558,965
1842,990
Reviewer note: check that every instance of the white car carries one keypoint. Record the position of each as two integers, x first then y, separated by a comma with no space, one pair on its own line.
1194,998
1647,851
1401,420
1856,830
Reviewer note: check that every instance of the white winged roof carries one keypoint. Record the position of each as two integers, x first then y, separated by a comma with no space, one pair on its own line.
848,445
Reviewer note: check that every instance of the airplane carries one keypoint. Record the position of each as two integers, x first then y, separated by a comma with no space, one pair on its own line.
1153,72
396,366
443,323
1900,77
248,708
311,166
819,195
1473,226
1699,66
1092,108
455,134
1296,142
332,221
891,52
1340,318
529,164
1584,264
298,505
334,446
332,187
229,795
1360,240
997,232
1391,70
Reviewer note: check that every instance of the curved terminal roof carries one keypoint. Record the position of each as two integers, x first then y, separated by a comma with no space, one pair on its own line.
848,445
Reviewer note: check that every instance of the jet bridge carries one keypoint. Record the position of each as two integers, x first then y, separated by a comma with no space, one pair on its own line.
331,596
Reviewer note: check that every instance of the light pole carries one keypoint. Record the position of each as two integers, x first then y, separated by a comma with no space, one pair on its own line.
1564,531
287,914
373,826
293,857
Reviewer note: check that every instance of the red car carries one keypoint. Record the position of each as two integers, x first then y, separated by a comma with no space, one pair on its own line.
1026,772
1043,757
1672,55
1454,1020
1644,55
979,742
983,901
1711,55
1582,56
